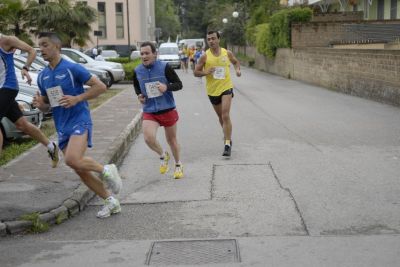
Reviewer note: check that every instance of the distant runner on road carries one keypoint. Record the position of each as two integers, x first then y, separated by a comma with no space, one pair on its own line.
214,64
61,87
154,81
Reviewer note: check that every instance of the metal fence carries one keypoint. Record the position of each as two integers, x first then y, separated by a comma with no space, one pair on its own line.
371,33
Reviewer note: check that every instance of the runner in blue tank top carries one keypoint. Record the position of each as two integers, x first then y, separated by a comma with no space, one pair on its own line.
61,87
9,89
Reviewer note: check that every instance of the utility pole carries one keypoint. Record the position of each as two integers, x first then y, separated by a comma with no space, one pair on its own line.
129,31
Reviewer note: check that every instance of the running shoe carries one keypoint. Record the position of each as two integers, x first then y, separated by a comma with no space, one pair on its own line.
164,163
111,206
178,173
54,155
227,150
111,177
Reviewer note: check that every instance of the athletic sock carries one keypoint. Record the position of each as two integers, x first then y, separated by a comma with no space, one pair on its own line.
50,147
163,155
110,198
228,142
105,169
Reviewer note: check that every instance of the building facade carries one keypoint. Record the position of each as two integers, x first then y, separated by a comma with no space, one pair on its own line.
372,9
122,22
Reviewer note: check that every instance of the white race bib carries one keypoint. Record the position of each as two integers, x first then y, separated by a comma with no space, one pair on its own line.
219,73
152,89
54,94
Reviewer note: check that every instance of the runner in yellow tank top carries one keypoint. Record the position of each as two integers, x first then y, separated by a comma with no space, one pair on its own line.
214,64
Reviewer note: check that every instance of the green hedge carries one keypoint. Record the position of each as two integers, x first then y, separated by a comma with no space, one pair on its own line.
121,60
261,37
278,33
129,67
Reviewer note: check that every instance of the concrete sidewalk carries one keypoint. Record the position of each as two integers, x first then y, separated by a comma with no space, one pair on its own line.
28,184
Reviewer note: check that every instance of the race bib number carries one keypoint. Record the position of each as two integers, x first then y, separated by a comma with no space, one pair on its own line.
219,73
152,89
54,94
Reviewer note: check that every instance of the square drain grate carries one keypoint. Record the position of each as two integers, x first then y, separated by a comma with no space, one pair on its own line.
193,252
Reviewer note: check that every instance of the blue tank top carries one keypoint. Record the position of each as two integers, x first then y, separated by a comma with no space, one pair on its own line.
8,79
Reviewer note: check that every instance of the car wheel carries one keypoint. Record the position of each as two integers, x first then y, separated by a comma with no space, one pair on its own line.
3,133
111,82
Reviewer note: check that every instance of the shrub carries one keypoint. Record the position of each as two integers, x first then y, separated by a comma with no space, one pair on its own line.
129,67
121,60
278,33
261,34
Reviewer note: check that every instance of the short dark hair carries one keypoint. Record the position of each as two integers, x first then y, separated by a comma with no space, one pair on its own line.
152,46
52,36
211,32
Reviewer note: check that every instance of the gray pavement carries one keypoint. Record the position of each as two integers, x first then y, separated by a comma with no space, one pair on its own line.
28,184
312,181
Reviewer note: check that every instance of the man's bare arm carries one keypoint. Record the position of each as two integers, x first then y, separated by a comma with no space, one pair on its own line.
199,70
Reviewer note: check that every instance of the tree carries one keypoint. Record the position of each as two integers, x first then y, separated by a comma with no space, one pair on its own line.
12,14
167,19
71,23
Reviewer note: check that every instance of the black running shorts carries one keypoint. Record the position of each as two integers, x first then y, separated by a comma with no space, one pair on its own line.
216,100
8,106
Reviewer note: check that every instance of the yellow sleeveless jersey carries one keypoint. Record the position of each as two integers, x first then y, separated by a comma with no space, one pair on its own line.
220,80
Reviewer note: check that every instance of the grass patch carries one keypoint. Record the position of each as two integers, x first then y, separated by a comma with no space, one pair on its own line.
38,226
14,148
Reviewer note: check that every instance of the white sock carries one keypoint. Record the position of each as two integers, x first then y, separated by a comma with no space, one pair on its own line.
50,147
105,169
163,155
110,198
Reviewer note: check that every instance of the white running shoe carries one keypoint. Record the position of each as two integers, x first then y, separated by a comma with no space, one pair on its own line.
112,178
111,206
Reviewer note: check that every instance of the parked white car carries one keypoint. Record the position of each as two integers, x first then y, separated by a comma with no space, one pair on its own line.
115,70
135,54
109,54
32,114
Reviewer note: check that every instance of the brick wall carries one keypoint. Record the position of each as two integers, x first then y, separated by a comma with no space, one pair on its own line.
373,74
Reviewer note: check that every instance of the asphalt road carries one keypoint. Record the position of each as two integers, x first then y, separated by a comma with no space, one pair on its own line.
313,181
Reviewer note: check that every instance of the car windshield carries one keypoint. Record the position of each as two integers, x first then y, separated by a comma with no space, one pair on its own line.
75,55
168,51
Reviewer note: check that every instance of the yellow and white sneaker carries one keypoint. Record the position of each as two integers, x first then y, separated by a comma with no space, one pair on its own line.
178,173
164,163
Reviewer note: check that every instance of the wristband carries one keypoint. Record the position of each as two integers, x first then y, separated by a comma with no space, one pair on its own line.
25,68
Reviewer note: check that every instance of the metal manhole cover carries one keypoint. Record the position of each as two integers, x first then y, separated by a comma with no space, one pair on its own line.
193,252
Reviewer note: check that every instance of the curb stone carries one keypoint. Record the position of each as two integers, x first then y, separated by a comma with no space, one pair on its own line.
60,214
72,207
14,227
82,195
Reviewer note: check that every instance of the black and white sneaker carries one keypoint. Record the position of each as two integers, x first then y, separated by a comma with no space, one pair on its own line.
227,150
54,155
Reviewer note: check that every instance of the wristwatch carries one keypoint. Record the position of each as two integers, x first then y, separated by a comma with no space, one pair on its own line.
25,68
